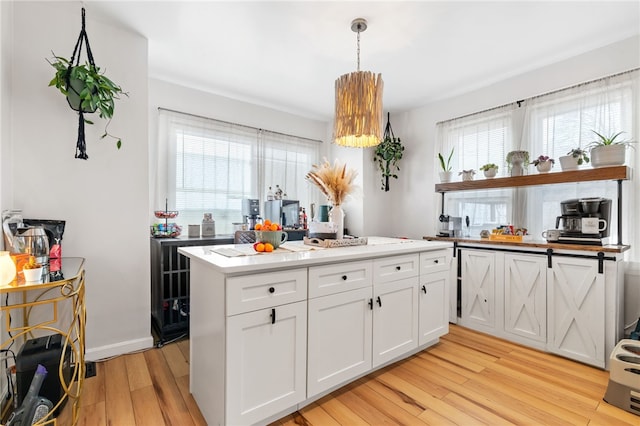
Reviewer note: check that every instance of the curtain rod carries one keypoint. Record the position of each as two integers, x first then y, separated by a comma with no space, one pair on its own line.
236,124
538,96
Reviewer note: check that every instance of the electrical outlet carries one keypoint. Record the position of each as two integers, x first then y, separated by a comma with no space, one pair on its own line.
90,369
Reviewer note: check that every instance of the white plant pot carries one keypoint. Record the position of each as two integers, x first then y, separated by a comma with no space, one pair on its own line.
568,162
490,173
445,176
544,166
609,155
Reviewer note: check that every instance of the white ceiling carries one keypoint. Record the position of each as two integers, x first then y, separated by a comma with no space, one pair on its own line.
287,55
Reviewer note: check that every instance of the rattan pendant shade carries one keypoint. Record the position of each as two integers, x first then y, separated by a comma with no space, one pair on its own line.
358,114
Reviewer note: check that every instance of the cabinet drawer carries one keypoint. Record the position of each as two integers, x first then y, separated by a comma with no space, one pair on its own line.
331,279
396,268
258,291
434,261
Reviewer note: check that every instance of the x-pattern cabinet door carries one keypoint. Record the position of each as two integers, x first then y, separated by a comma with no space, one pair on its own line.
525,296
478,289
576,301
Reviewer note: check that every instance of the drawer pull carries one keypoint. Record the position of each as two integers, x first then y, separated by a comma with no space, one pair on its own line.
435,261
273,315
379,301
272,290
424,289
398,268
371,304
344,277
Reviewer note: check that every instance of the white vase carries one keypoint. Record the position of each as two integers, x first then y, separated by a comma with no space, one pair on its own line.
568,162
517,168
544,166
610,155
336,215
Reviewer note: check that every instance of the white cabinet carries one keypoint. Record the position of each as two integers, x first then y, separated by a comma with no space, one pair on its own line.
266,344
576,300
478,290
266,362
339,338
525,292
395,319
433,306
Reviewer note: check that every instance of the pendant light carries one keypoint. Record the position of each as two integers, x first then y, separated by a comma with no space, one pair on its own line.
358,116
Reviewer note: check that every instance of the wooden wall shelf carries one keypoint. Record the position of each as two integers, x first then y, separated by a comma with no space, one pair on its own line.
601,173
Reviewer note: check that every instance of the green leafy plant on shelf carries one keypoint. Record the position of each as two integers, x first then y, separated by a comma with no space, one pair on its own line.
489,166
445,166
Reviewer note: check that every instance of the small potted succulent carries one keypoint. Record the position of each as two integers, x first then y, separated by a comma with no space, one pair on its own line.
574,158
543,163
467,174
446,173
608,150
490,170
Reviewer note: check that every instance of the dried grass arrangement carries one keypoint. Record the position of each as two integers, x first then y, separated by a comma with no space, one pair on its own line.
334,181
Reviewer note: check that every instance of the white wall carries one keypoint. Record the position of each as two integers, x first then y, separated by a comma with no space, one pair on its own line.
415,211
104,200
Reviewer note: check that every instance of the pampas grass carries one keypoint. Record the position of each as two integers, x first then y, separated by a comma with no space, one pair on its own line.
334,181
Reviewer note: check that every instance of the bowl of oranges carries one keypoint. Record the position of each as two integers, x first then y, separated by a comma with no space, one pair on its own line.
269,236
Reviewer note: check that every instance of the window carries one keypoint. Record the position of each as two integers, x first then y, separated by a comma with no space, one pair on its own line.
211,166
552,125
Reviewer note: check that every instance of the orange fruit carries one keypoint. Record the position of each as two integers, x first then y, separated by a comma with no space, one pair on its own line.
274,226
262,247
258,226
266,222
268,247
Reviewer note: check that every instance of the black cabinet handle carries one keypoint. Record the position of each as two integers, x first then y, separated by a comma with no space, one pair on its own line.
273,315
424,289
272,290
344,277
371,304
379,301
435,261
398,268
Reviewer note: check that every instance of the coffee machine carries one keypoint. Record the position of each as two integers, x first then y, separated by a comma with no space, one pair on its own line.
251,212
585,221
450,226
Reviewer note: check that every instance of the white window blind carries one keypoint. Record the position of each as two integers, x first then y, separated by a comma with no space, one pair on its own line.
211,166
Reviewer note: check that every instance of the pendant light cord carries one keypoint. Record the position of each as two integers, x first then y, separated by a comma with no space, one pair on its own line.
358,38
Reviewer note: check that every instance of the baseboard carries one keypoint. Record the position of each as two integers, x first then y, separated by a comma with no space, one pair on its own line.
120,348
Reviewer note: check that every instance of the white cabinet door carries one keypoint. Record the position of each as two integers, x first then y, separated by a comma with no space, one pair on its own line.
339,338
395,319
266,362
434,306
525,296
576,301
478,290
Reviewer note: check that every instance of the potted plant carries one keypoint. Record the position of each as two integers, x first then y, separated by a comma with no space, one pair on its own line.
467,174
608,150
517,161
490,170
543,163
87,89
445,174
388,153
574,158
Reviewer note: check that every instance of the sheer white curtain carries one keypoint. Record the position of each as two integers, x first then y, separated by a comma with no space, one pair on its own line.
558,122
477,140
210,166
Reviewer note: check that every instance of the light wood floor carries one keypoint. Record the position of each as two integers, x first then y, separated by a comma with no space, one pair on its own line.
466,379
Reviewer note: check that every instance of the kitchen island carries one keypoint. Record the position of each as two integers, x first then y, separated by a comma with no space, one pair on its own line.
272,332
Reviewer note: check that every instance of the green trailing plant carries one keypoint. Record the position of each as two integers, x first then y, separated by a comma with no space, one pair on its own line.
387,154
489,166
603,140
580,155
445,165
87,89
522,156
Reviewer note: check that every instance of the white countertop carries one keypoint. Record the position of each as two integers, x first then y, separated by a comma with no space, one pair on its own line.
296,254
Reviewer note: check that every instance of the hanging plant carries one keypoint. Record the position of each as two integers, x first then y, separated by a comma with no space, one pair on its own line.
388,153
87,89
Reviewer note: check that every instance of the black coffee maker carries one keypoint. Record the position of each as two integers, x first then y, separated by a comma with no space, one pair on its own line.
585,221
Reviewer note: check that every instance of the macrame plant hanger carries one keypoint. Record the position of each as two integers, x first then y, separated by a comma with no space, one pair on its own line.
81,145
